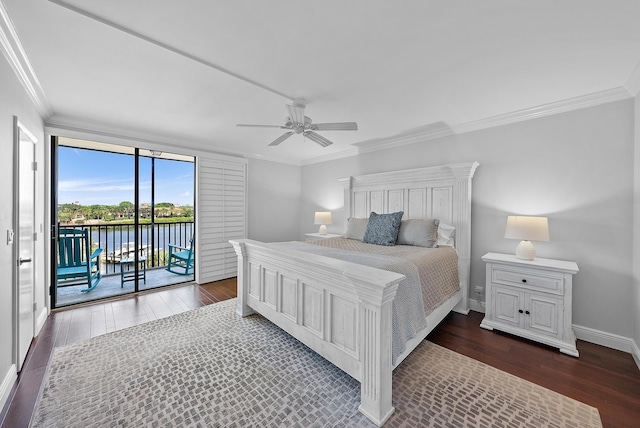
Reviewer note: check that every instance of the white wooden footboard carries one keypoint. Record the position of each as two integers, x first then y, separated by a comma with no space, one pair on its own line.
339,309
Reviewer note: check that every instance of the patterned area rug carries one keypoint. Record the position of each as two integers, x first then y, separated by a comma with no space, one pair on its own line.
210,368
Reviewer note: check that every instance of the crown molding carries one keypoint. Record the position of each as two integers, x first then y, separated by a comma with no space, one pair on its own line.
440,129
416,135
550,109
333,156
13,51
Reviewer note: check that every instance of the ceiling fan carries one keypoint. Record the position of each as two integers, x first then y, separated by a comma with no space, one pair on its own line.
298,123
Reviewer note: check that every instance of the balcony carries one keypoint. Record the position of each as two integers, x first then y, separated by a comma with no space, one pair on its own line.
118,242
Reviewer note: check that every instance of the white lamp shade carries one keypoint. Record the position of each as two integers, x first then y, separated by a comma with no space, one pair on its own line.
322,217
527,228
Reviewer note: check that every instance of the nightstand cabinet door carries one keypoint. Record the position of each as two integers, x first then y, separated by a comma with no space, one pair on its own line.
542,316
537,313
531,299
507,306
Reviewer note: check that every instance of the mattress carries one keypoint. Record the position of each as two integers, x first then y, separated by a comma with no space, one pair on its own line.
437,267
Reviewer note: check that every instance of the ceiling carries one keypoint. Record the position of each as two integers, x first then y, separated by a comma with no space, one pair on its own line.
187,72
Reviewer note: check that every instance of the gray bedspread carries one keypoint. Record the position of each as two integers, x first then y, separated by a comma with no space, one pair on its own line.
408,310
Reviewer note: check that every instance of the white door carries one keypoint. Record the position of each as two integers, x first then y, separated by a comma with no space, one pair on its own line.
24,221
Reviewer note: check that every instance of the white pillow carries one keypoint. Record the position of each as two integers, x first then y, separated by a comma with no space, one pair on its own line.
446,235
356,227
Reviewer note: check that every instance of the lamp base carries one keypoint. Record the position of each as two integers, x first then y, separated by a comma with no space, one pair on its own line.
323,230
525,251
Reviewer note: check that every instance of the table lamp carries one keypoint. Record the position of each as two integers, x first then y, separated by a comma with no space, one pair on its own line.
527,229
322,218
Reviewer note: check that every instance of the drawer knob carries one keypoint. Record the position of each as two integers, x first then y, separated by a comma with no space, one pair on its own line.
527,312
520,310
524,280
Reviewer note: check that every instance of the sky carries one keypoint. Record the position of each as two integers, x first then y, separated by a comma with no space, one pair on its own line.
92,177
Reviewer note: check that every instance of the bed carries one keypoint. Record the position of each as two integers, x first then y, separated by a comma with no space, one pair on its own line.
344,310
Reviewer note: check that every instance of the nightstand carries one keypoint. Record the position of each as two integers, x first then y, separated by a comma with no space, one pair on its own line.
311,236
531,299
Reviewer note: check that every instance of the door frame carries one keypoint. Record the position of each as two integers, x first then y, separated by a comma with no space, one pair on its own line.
53,222
13,236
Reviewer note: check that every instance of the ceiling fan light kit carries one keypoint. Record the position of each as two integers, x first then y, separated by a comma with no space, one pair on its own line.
298,123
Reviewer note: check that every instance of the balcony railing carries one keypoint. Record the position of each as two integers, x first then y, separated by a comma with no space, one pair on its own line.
117,241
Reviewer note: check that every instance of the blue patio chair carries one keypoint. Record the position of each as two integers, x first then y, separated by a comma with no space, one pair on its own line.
181,259
75,260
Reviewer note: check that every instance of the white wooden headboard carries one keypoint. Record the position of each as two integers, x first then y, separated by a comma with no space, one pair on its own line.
442,192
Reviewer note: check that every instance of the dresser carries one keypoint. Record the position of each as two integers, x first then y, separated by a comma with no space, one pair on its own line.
531,299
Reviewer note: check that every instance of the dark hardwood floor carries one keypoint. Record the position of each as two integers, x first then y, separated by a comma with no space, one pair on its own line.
601,377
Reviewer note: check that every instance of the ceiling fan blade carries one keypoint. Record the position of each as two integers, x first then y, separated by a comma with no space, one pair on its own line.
317,138
259,126
281,138
338,126
296,112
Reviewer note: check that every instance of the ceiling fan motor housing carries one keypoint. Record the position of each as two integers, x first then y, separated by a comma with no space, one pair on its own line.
298,128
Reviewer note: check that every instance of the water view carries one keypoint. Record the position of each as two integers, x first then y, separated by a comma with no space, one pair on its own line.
96,192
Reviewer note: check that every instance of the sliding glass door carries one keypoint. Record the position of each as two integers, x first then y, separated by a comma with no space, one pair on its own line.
130,206
167,216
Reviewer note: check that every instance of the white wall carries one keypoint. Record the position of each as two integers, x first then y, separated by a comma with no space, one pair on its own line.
273,201
576,168
14,101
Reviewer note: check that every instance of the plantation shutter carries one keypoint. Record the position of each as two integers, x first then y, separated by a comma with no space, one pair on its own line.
221,216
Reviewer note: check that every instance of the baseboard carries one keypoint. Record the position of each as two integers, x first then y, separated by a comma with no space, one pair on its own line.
7,384
476,305
636,353
609,340
42,318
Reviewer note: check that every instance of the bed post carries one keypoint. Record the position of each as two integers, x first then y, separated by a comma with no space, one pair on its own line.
346,189
242,308
375,348
463,173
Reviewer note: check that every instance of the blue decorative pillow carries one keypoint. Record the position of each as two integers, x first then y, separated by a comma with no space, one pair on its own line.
382,229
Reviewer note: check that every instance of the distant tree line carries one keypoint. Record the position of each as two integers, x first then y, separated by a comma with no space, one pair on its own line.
124,211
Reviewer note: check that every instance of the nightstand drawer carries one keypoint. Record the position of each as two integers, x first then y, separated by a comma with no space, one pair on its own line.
525,278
